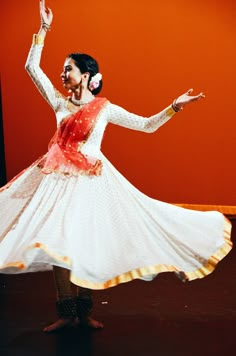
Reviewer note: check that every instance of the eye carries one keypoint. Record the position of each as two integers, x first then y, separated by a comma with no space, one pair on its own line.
67,68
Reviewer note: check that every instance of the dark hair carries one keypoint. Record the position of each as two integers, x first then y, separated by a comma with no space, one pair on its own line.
86,63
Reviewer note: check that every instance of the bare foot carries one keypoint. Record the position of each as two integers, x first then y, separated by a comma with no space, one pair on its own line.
92,323
60,324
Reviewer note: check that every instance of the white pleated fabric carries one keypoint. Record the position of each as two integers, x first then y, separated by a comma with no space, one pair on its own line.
101,227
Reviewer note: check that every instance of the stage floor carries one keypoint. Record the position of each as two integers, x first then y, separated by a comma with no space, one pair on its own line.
164,317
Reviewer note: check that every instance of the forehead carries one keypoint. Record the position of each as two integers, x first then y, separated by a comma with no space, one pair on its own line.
69,62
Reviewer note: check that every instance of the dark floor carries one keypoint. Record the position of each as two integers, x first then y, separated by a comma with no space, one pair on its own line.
165,317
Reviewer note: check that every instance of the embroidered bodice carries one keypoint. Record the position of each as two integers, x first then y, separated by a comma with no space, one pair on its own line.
111,113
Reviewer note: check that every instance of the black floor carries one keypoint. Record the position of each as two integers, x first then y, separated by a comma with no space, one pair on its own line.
163,318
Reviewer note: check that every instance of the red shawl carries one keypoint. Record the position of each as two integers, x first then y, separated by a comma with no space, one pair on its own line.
64,154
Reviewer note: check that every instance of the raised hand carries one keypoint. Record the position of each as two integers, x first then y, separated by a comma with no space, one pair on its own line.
186,98
46,15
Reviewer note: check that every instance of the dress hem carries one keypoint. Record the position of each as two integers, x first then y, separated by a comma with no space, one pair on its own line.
138,273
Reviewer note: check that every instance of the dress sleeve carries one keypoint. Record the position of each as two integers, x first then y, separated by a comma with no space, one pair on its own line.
42,82
122,117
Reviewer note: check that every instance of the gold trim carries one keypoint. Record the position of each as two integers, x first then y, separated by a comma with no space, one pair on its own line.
149,270
95,170
145,271
170,111
37,40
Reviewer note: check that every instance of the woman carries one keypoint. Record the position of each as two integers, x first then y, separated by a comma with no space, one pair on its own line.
73,210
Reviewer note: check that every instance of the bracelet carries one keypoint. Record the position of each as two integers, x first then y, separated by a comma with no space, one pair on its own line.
38,40
46,26
175,107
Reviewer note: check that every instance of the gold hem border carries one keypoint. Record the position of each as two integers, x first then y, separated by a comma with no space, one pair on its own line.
145,271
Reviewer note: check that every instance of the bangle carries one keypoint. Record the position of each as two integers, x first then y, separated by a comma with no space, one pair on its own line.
46,26
175,107
38,40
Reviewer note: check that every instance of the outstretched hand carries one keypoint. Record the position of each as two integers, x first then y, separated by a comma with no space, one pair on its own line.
46,15
186,98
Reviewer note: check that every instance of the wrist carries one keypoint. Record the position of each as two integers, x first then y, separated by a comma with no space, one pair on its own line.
175,106
45,26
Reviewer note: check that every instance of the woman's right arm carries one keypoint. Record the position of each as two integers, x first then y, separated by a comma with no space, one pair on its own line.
32,65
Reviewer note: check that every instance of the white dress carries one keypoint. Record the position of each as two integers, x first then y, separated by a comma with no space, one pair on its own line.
101,228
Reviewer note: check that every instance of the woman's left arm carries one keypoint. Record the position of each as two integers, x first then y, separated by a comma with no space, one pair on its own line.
122,117
119,116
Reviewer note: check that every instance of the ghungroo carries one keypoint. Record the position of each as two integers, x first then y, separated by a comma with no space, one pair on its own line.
66,308
84,307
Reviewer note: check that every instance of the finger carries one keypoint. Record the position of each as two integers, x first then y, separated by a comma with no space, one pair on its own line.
189,91
42,6
201,95
197,97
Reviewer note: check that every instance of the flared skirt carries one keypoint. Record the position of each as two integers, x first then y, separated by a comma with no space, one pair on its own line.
104,230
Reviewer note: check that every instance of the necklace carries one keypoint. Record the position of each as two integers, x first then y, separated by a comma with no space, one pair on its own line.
80,102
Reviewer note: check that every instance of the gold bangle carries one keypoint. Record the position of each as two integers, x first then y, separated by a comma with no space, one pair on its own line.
38,40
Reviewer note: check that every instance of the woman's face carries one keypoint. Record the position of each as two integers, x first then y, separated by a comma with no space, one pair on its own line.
71,75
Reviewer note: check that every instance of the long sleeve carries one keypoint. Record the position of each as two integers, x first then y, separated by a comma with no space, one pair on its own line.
42,82
122,117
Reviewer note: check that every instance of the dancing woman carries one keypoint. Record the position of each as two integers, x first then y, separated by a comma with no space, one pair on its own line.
72,211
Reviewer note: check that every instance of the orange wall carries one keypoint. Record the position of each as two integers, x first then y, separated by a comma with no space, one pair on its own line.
149,52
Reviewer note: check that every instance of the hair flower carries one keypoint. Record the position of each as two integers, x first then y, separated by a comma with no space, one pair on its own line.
94,82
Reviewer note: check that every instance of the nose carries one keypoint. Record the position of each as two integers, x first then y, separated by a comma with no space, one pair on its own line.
63,76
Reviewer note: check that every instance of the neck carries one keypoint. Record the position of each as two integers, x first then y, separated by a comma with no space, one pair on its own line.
83,99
